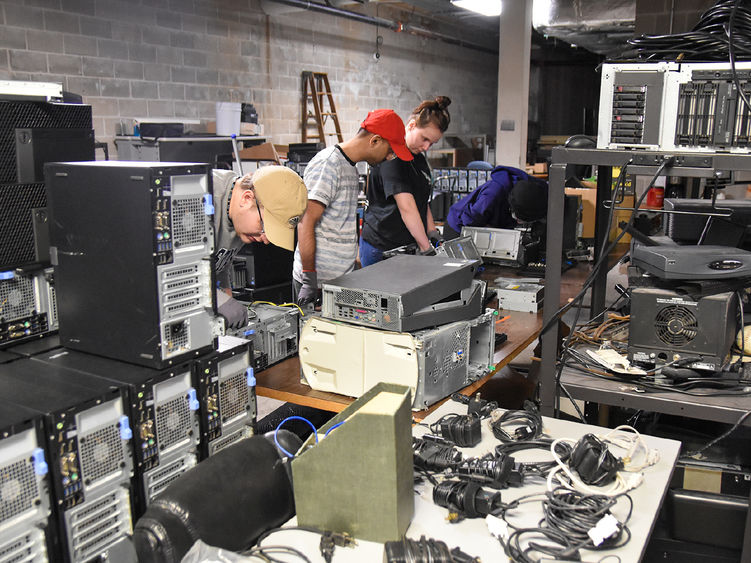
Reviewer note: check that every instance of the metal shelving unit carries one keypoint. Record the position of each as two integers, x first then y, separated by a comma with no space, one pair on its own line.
691,165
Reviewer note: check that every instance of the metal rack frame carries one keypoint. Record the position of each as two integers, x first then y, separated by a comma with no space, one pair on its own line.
692,165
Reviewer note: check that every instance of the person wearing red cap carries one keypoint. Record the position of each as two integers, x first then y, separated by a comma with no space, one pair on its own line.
399,191
327,233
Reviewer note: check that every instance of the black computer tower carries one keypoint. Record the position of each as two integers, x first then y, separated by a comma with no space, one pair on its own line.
25,501
88,441
28,306
163,409
33,132
131,244
226,387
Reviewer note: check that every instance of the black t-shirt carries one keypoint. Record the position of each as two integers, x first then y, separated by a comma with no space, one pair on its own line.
383,226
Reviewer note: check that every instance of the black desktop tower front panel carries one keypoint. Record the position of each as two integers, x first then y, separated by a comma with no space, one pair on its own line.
131,244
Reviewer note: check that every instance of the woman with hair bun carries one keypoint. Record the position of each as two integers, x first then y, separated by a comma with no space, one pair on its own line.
398,192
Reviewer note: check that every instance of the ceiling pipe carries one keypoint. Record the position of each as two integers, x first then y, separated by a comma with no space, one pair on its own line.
385,23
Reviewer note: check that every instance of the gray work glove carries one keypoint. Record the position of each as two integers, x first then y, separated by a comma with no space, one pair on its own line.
235,313
435,237
309,289
428,252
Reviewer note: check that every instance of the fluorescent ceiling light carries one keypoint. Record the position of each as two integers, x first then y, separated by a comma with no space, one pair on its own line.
484,7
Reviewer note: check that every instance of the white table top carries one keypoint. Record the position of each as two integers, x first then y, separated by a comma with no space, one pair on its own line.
472,536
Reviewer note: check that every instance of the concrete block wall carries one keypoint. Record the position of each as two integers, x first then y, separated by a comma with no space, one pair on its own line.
176,58
653,17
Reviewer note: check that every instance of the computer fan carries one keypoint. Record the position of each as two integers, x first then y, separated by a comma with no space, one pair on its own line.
666,326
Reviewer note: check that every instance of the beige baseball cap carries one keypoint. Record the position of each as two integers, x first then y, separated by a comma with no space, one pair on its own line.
283,196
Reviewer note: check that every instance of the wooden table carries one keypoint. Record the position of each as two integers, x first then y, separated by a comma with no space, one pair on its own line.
282,381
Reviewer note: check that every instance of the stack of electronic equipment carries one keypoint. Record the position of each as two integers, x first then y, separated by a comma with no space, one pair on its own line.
412,320
685,298
685,305
144,384
35,127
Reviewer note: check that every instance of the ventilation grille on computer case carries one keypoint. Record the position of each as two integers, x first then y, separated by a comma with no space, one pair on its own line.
101,453
666,325
173,421
17,298
233,396
18,489
456,353
28,546
34,115
676,325
16,222
160,478
188,222
96,524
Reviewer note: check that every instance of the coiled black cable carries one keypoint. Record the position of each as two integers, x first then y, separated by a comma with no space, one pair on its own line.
569,516
497,472
709,40
574,514
527,424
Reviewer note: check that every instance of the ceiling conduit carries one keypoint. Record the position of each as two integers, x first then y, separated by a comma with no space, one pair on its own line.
398,27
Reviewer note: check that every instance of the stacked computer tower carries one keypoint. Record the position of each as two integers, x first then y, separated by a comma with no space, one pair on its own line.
138,386
35,127
413,320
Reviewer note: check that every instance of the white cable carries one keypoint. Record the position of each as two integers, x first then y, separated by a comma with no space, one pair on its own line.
622,484
632,444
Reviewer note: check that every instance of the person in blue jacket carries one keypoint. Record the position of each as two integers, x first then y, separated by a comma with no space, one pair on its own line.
511,196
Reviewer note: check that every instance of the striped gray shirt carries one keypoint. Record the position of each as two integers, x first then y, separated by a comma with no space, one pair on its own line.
333,181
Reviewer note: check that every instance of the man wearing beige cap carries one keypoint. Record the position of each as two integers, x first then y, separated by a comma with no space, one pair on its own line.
327,242
264,206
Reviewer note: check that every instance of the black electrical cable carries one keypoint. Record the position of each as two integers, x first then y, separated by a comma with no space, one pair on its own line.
328,541
562,449
527,424
723,32
728,388
563,532
466,499
667,160
721,437
462,430
602,258
731,54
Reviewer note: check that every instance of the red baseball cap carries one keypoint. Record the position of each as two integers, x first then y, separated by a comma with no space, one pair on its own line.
387,124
